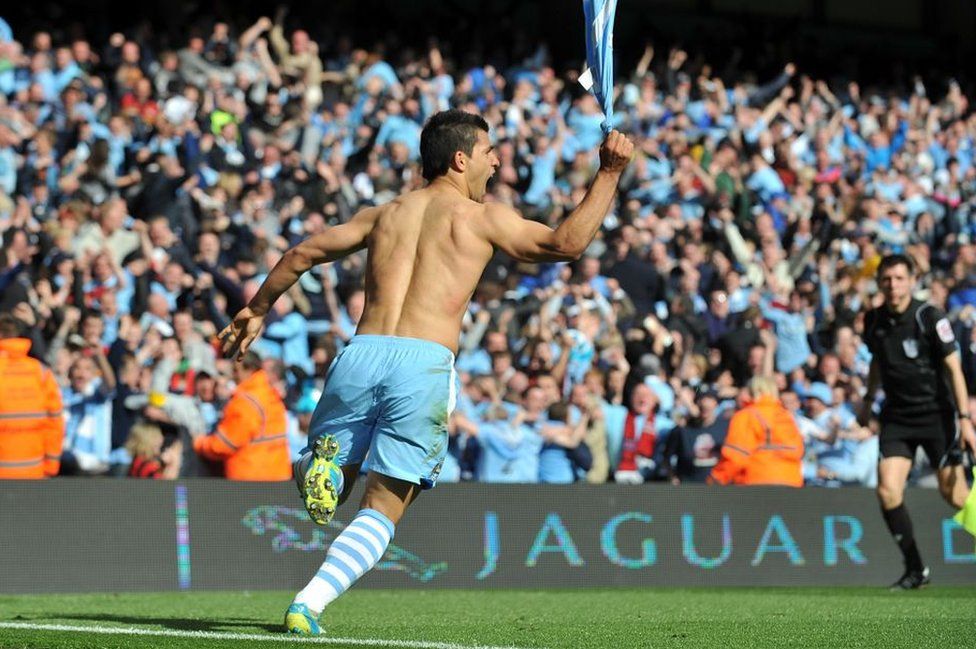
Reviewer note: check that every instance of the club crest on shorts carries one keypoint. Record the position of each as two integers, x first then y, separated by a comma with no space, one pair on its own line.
436,471
910,345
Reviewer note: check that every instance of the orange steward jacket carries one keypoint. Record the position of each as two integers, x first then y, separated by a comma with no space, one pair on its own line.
763,447
251,438
31,424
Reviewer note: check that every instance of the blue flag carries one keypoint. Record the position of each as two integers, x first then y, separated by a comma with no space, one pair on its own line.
599,15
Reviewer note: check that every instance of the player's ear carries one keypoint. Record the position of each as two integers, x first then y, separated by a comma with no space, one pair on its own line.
459,162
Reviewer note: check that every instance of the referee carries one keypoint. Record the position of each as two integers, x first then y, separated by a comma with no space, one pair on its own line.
916,361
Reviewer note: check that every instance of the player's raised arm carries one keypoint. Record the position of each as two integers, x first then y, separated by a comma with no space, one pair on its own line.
530,241
334,243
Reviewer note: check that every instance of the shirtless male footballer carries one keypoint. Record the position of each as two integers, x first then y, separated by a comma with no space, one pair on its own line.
390,391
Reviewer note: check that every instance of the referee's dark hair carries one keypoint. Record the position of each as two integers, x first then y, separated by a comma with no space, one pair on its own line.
890,261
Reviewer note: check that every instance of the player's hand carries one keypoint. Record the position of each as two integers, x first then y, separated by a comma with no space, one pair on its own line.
967,438
616,152
239,334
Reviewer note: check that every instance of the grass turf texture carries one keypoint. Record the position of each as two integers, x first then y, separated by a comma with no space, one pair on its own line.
760,617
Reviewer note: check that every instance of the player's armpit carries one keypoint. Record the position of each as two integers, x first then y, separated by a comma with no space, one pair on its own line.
522,239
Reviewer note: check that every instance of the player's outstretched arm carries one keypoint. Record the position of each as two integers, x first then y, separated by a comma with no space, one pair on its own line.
334,243
530,241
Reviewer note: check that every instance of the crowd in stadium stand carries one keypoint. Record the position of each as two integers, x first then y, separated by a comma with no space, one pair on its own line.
145,194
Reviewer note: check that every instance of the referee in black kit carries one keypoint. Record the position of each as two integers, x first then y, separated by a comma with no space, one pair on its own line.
916,360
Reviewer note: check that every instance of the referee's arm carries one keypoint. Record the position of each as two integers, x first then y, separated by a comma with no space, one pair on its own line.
953,364
874,378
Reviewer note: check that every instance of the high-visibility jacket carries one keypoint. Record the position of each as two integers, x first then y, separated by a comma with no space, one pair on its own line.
251,438
763,447
31,424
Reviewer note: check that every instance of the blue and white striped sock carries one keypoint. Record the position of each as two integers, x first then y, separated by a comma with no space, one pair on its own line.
352,554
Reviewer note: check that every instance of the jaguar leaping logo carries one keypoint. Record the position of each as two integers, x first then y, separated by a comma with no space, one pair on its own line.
279,521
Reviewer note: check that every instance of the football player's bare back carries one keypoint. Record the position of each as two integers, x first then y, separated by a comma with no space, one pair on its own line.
425,255
427,249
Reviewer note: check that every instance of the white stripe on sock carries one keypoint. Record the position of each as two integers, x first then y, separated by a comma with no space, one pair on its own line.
347,560
377,527
377,548
336,573
356,546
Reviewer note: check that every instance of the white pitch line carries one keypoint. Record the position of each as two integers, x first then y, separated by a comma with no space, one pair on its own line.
218,635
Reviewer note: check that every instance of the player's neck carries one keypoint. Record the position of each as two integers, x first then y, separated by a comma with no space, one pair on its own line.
901,306
449,182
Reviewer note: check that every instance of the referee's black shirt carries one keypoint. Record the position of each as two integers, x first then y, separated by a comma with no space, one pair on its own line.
910,348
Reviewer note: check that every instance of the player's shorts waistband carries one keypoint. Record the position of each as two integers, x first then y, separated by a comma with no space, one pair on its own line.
401,342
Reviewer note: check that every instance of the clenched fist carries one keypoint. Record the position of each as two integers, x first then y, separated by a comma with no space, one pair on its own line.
616,152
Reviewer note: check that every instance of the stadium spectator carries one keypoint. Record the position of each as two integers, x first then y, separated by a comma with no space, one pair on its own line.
251,438
154,184
586,398
845,452
150,457
763,445
564,456
88,406
632,447
692,450
511,448
31,424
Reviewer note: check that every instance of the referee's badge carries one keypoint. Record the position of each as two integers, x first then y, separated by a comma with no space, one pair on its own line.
910,345
944,329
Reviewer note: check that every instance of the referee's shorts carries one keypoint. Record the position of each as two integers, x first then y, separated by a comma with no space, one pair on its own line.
938,435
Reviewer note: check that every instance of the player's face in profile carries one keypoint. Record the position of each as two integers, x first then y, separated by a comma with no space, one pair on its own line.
896,284
481,166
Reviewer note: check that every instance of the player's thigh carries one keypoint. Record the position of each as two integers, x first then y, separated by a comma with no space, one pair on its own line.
353,437
388,495
410,439
346,409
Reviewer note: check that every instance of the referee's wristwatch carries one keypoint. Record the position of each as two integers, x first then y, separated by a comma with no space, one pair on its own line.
964,415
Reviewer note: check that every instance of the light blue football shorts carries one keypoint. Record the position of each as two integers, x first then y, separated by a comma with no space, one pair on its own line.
389,397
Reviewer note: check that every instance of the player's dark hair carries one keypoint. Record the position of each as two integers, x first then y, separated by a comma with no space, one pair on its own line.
890,261
446,133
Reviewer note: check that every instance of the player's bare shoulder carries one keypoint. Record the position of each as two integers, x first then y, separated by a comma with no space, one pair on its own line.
392,216
473,223
488,218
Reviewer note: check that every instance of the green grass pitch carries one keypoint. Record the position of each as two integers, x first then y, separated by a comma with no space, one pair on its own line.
445,619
